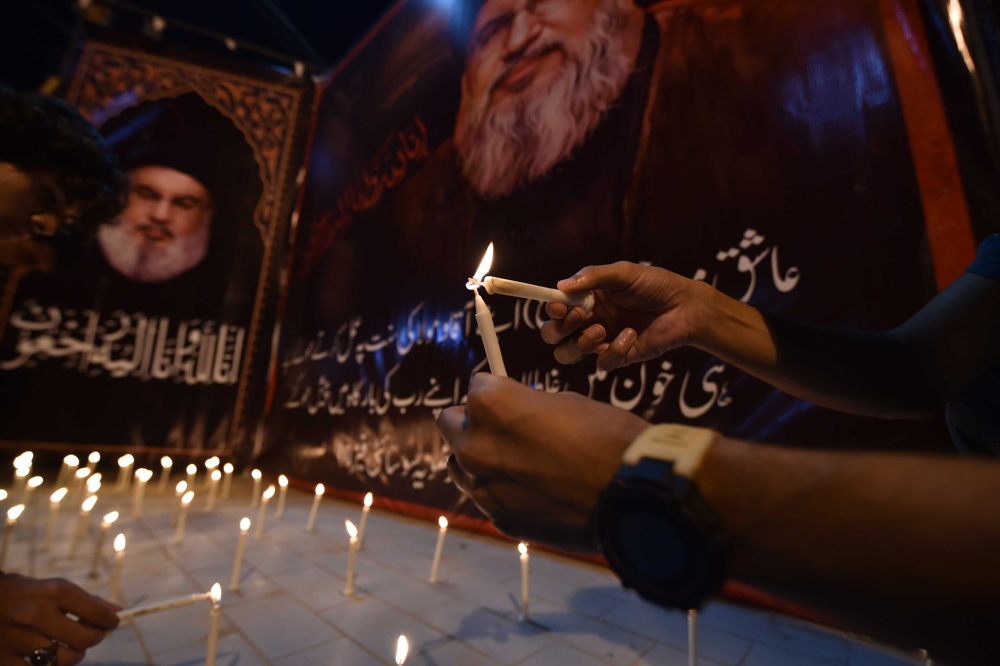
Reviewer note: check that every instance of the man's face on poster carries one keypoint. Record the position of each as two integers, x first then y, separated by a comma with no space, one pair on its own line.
539,77
164,229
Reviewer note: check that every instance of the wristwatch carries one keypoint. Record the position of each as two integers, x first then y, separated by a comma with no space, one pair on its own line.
656,530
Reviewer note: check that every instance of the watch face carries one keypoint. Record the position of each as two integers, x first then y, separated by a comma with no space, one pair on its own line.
651,547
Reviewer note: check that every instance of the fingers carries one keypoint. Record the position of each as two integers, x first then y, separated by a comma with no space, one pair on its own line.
591,341
462,479
610,277
452,422
561,325
92,611
615,355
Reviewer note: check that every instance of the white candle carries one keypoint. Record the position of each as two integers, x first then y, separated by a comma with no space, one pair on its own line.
265,498
106,523
69,465
227,480
213,624
20,481
255,496
495,285
50,529
211,465
79,486
352,551
138,611
143,475
179,491
92,461
443,524
166,465
82,524
13,513
283,484
364,518
311,525
182,517
33,483
692,637
93,483
213,489
234,582
402,649
115,583
485,319
523,549
124,473
191,470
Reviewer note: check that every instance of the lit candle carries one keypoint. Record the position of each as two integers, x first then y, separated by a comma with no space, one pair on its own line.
3,494
79,485
106,523
92,461
283,483
352,551
33,483
138,611
50,529
125,464
69,465
213,489
182,517
255,496
93,483
213,623
234,582
144,475
115,584
443,524
21,480
179,491
210,466
191,470
227,480
495,285
364,518
692,637
311,525
523,549
402,648
13,513
485,319
166,465
82,523
268,494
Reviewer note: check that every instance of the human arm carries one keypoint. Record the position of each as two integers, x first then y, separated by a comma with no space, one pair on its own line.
642,312
35,612
898,546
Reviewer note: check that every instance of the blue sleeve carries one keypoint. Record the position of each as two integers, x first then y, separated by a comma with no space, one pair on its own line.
987,261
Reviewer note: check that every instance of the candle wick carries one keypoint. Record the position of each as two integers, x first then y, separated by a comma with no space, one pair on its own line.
473,284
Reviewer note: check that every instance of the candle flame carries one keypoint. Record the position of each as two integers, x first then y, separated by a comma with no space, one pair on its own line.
14,512
89,503
83,473
23,471
352,531
212,462
181,487
55,497
191,469
95,478
522,548
71,460
188,496
3,494
119,543
255,474
244,524
228,468
126,460
368,500
443,522
167,462
402,648
216,475
94,457
34,482
282,480
216,593
144,475
484,265
110,518
320,489
269,493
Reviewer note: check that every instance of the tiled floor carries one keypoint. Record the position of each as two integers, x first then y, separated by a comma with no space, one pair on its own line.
291,610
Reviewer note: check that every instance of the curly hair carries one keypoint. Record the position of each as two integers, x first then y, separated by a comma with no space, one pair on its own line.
45,134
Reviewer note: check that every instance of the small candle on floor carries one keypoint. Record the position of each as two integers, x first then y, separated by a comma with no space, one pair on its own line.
523,549
234,582
352,551
211,465
92,461
402,649
213,489
213,624
311,525
227,480
79,485
82,523
179,491
369,498
30,487
125,464
443,527
93,484
264,499
191,470
692,637
115,583
69,466
50,529
282,493
255,496
13,513
166,465
106,523
143,476
182,517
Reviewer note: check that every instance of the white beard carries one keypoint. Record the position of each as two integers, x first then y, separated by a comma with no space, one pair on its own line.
144,261
503,149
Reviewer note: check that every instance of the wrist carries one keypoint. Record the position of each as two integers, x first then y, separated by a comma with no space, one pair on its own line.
698,311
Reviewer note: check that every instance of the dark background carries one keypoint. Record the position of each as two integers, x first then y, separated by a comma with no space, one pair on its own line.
36,36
